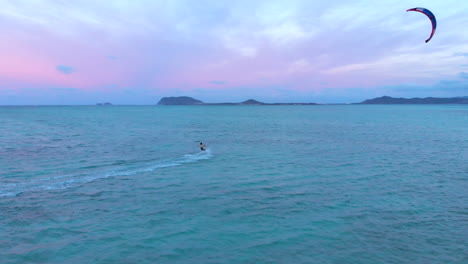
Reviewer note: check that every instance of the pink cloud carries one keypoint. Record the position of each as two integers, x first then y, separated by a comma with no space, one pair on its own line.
35,64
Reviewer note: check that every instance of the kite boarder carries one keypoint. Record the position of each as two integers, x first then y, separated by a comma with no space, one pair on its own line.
202,146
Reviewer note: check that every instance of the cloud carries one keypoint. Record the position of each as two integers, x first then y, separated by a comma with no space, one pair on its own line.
297,44
448,88
463,54
218,82
406,62
65,69
64,89
300,66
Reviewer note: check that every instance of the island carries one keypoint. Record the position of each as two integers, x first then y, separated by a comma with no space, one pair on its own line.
186,100
180,100
426,100
102,104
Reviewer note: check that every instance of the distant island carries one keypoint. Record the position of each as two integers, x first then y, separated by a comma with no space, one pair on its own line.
426,100
107,103
186,100
180,100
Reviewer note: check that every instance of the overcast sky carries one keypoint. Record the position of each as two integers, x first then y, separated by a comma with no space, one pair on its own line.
137,51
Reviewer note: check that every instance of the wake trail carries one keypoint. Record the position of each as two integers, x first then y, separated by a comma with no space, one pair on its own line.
72,180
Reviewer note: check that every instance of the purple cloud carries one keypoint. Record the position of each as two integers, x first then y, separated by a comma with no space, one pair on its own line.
326,49
65,69
218,82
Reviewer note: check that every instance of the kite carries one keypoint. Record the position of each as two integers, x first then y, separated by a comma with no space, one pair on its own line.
430,16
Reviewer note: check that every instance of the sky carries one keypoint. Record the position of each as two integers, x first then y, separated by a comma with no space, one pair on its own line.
60,52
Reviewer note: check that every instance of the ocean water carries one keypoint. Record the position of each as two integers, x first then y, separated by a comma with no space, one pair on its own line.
278,184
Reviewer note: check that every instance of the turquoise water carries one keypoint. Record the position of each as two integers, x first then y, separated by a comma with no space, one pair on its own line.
278,184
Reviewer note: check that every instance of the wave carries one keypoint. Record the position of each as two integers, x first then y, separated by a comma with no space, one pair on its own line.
68,181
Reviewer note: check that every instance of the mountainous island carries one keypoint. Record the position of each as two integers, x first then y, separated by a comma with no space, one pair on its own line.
426,100
186,100
180,100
